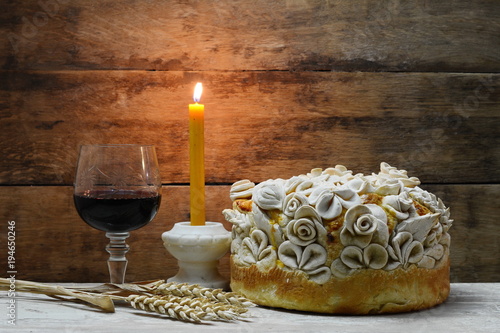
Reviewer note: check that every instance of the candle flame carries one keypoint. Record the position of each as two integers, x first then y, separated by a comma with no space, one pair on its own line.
198,89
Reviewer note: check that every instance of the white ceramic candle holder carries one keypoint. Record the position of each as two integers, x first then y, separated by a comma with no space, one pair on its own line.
198,250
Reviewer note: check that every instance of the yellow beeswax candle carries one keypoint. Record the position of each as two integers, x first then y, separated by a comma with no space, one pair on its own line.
196,158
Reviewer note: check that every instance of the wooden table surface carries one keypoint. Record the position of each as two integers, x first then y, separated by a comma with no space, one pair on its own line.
471,307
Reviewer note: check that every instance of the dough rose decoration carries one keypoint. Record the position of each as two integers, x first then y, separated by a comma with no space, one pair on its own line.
332,227
306,227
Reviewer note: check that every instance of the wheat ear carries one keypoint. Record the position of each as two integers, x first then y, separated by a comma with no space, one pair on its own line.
194,290
184,308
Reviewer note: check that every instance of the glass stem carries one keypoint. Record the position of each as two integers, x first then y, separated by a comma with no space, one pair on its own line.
117,263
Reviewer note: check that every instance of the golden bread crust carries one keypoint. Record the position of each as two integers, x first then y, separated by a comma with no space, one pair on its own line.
366,291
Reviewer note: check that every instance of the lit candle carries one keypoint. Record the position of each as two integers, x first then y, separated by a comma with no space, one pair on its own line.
196,158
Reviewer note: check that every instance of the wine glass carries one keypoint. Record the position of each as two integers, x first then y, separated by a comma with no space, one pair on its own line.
117,189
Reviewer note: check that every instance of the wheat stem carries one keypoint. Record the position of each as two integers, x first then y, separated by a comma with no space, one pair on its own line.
180,301
103,301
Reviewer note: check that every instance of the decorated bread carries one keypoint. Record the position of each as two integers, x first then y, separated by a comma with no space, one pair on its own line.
333,242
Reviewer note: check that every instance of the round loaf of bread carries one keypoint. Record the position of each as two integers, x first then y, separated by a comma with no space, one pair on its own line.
333,242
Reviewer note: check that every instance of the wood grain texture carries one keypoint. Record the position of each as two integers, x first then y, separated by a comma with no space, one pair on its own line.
366,35
471,307
289,86
259,125
54,244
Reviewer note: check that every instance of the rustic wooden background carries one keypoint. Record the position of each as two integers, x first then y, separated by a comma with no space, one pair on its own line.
289,86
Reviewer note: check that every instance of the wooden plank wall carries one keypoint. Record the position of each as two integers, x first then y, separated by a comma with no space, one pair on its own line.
289,85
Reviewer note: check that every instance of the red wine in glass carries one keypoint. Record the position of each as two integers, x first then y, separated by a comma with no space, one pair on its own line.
117,189
117,211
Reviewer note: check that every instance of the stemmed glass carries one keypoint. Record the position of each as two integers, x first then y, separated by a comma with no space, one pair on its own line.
117,189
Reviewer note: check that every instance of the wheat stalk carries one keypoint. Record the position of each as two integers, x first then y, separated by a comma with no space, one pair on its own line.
186,308
194,290
105,302
180,301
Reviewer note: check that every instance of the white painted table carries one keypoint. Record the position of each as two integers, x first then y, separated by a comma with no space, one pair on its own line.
471,307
